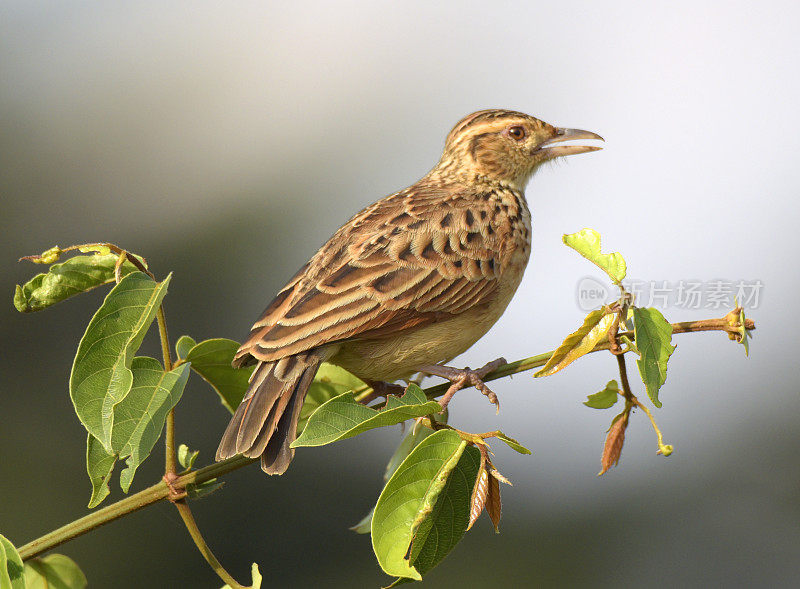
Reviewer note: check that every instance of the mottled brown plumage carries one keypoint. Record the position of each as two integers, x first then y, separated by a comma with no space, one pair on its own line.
411,281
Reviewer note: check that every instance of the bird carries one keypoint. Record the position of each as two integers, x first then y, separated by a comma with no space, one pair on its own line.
406,285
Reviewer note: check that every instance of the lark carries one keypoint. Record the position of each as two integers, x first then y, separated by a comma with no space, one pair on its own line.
406,285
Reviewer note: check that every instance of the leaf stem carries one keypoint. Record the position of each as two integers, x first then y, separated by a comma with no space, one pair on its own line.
194,532
169,434
665,449
177,493
632,400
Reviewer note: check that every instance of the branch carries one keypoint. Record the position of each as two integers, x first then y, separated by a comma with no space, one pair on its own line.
151,495
721,324
177,495
161,490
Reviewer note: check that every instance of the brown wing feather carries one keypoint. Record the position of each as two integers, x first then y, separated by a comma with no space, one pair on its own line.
406,261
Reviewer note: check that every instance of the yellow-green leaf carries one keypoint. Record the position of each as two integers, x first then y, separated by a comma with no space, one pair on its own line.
605,398
186,457
64,280
587,243
512,443
595,329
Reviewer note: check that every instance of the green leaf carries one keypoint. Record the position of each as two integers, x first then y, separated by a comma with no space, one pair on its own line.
364,526
587,243
139,418
343,417
99,466
186,457
605,398
137,423
410,508
211,359
512,443
595,328
12,574
743,333
199,490
62,281
183,345
653,336
101,374
54,571
329,381
410,441
256,578
448,521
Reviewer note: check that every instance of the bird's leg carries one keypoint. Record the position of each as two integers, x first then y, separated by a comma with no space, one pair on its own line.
380,389
463,378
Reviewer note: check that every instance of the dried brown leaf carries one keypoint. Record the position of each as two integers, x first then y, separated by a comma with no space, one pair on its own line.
612,450
479,493
496,474
494,506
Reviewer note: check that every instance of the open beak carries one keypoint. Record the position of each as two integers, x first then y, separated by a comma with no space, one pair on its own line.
567,135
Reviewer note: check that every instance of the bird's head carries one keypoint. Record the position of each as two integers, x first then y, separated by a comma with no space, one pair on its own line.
504,146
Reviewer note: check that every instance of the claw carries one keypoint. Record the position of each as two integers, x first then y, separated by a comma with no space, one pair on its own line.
465,377
380,390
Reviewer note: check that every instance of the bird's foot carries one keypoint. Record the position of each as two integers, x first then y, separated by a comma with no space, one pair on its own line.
380,389
465,377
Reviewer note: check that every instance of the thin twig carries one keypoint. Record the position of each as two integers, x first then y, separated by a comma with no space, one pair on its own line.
630,398
148,496
194,532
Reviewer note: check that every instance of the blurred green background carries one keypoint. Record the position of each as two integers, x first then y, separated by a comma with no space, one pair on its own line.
226,142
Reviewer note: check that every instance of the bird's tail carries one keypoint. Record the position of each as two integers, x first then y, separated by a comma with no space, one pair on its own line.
265,423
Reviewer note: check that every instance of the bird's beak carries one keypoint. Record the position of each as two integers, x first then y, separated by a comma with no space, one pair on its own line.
544,149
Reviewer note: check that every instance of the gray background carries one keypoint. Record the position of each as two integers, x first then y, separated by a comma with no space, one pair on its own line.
226,142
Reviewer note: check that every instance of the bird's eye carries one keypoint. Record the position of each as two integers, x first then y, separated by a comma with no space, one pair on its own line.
516,132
